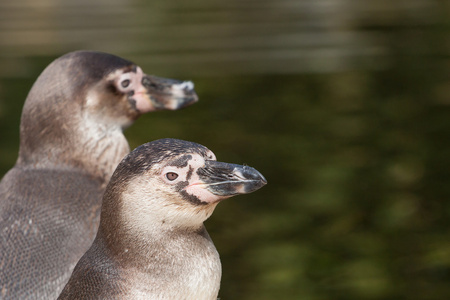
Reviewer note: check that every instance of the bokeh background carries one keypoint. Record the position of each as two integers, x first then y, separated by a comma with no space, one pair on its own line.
342,104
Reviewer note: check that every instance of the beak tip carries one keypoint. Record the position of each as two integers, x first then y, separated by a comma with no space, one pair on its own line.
259,179
170,94
188,100
262,183
258,176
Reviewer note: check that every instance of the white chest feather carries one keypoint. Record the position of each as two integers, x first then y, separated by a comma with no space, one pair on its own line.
192,277
103,145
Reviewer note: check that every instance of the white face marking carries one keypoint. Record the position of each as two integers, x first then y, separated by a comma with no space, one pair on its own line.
196,187
132,82
193,164
129,81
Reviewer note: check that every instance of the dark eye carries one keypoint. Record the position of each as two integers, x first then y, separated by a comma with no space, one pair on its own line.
125,83
171,176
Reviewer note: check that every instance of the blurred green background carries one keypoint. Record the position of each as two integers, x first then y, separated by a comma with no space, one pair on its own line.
343,106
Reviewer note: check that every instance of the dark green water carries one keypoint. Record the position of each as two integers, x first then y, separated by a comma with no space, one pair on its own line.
343,106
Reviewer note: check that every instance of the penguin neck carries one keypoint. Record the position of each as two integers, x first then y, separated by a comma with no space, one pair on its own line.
134,231
100,149
80,144
136,250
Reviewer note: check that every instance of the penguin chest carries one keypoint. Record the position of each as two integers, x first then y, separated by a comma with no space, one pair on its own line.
195,276
202,277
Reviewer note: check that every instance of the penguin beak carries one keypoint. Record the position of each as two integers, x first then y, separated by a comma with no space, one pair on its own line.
169,94
226,180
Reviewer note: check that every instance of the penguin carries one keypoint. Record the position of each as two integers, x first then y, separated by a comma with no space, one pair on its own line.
71,140
152,243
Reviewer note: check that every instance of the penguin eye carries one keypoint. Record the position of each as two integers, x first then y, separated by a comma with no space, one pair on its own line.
125,83
171,176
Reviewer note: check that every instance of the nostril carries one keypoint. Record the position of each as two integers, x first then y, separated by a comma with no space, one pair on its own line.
150,84
146,81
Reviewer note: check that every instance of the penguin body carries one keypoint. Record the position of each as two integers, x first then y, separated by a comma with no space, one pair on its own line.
151,243
71,141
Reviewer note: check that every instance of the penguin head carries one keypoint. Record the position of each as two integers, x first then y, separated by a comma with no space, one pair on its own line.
107,85
123,91
88,94
175,182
